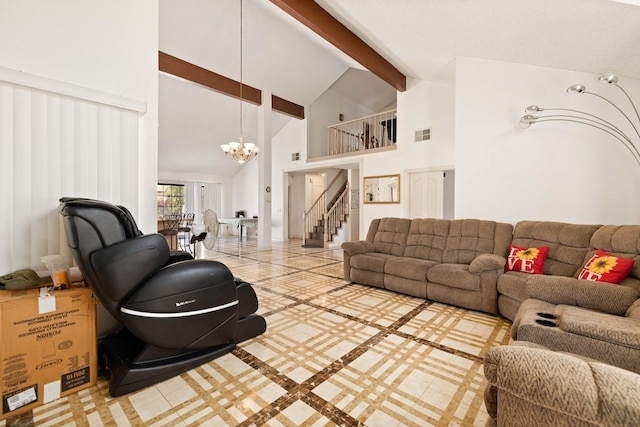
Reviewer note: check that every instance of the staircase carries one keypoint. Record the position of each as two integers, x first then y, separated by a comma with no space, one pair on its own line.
321,224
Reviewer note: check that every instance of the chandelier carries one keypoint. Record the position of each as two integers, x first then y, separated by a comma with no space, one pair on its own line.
240,151
631,142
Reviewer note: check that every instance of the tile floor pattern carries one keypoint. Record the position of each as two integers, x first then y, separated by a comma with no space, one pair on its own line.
334,354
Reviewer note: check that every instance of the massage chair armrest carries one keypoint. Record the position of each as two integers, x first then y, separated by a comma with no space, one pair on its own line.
487,262
542,383
358,247
599,296
123,266
178,255
186,277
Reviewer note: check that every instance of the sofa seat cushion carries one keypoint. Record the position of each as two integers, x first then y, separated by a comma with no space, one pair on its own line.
454,276
514,285
605,337
372,261
600,326
408,268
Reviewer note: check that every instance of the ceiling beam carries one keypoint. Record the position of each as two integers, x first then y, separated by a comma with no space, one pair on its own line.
188,71
219,83
287,107
309,13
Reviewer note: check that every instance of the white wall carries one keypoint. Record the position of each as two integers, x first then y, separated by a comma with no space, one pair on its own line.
291,138
552,171
244,190
423,105
107,46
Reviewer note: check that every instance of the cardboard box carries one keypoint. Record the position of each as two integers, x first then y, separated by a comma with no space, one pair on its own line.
48,346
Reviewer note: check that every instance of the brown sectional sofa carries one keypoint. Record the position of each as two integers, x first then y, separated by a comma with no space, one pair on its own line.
461,262
452,261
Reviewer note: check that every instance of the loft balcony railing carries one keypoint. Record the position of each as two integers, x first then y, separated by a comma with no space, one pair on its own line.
365,133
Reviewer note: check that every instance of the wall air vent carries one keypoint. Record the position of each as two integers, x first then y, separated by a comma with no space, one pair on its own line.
295,156
423,135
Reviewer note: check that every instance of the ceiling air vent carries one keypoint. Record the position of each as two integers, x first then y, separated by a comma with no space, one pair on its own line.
423,135
295,156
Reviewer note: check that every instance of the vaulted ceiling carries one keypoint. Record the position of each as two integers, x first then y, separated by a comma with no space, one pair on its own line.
421,38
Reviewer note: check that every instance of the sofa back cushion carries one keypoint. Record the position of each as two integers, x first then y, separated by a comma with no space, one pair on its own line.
389,235
620,241
568,244
469,238
427,238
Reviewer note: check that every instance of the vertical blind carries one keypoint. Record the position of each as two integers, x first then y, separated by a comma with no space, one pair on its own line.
59,140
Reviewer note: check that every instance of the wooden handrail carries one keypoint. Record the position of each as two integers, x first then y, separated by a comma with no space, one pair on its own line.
338,208
317,211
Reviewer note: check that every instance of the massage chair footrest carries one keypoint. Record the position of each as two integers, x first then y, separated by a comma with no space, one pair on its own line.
121,351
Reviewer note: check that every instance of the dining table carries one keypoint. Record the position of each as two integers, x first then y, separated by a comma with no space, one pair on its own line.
240,222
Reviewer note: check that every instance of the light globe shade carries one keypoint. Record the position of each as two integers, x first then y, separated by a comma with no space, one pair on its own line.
575,89
526,121
234,145
608,78
225,148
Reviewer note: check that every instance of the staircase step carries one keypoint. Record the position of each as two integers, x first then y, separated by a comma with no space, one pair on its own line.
314,242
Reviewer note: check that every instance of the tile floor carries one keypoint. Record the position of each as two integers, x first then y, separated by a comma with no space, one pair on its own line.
334,354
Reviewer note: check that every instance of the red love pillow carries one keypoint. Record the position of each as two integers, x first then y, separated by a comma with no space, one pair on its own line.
526,260
604,267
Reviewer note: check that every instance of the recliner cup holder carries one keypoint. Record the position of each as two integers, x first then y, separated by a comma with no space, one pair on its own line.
547,315
545,322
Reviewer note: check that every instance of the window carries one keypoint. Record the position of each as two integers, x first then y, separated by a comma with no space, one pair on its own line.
170,199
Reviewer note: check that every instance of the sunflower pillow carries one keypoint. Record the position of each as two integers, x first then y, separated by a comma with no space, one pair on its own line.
526,260
604,267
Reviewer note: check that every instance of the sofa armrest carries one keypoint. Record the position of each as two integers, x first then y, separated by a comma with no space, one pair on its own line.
600,296
634,310
559,389
487,262
357,247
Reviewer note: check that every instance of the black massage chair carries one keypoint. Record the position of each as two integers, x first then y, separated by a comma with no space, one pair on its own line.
176,312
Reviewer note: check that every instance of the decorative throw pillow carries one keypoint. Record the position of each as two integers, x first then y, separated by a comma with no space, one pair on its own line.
604,267
526,260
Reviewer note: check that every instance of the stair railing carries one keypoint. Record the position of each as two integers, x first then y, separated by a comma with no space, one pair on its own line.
362,134
316,212
312,216
336,215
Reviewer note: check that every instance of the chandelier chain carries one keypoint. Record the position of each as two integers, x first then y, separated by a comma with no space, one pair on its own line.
239,150
241,69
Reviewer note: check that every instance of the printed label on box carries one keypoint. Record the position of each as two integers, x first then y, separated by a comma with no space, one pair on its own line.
19,398
76,378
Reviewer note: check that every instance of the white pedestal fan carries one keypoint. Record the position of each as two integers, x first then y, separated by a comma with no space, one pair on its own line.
206,233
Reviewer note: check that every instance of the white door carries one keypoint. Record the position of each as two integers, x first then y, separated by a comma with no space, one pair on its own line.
426,194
